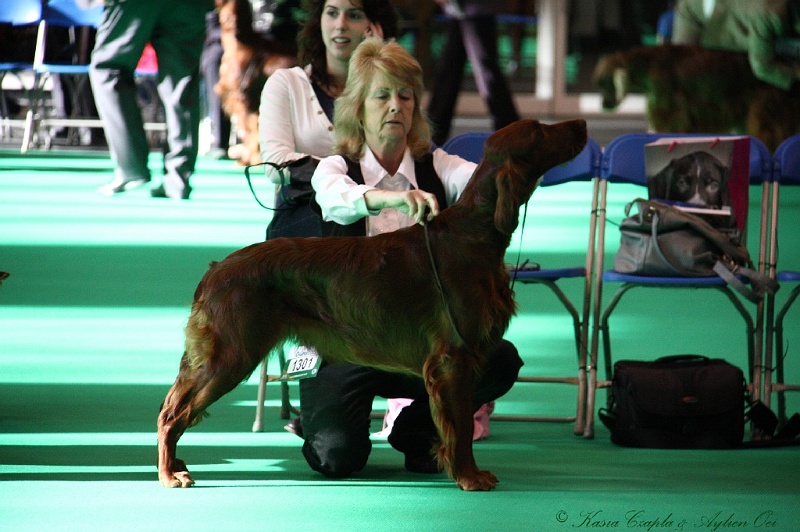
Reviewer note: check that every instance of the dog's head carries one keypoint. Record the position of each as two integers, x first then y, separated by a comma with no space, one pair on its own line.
612,78
696,177
518,155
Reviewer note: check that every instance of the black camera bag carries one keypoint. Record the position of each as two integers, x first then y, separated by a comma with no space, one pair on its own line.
677,402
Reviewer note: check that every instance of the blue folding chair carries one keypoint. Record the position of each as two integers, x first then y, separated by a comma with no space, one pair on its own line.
786,173
624,162
584,167
468,146
68,14
16,13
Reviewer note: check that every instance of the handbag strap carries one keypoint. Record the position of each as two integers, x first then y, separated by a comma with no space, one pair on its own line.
722,241
760,282
654,233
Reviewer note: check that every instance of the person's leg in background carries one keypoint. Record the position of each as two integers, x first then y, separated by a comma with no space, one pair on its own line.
178,43
480,42
447,83
120,39
210,61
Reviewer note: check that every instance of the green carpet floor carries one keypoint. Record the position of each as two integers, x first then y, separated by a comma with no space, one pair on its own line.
91,334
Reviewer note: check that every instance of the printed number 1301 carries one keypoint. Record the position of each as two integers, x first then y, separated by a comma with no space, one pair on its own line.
302,363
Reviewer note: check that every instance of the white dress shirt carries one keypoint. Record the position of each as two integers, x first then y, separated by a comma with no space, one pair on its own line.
342,199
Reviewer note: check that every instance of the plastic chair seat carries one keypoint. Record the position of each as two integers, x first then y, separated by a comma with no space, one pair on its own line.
788,277
55,68
679,282
527,276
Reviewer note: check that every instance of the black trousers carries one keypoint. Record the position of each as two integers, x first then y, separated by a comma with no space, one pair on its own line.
474,39
336,407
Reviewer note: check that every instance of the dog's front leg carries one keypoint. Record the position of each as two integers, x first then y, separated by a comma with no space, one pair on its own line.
449,381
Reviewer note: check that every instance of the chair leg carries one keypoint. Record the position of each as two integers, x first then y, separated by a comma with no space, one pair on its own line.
286,405
769,348
28,132
600,332
778,372
580,418
780,386
286,410
258,424
579,380
591,397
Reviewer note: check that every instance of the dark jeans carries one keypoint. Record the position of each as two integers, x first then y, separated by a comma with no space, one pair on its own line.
337,403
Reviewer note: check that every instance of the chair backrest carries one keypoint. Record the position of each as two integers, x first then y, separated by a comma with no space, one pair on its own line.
468,146
787,161
583,167
623,159
624,162
67,13
20,12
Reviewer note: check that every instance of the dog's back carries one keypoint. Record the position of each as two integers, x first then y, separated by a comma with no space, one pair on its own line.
691,89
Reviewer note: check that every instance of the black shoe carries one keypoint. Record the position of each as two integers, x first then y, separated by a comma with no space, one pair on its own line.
295,426
121,185
160,192
426,464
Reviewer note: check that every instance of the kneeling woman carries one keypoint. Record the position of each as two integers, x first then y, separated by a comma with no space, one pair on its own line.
384,179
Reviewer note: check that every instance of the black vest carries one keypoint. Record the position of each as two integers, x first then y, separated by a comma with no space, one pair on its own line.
427,180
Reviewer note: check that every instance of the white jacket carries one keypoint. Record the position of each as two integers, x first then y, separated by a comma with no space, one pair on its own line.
291,122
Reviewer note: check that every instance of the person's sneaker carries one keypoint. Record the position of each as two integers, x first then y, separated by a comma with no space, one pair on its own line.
121,185
160,192
217,154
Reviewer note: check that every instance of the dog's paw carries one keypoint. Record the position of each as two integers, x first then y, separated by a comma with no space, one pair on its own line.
480,481
179,477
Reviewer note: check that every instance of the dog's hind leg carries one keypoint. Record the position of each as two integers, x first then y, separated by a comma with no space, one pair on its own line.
449,379
192,393
210,368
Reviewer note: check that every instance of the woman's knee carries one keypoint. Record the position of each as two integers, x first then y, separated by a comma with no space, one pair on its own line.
336,454
501,371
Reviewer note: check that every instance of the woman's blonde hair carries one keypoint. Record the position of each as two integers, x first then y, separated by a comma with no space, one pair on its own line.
373,57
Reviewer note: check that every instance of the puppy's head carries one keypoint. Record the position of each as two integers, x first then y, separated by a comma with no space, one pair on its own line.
709,175
672,183
522,153
696,177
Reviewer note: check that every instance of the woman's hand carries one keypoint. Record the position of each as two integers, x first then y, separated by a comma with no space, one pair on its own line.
418,204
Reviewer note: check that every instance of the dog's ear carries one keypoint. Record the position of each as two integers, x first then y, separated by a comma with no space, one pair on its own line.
659,183
511,194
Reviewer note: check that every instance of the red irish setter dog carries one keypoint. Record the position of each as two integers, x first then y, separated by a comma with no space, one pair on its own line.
375,301
691,89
